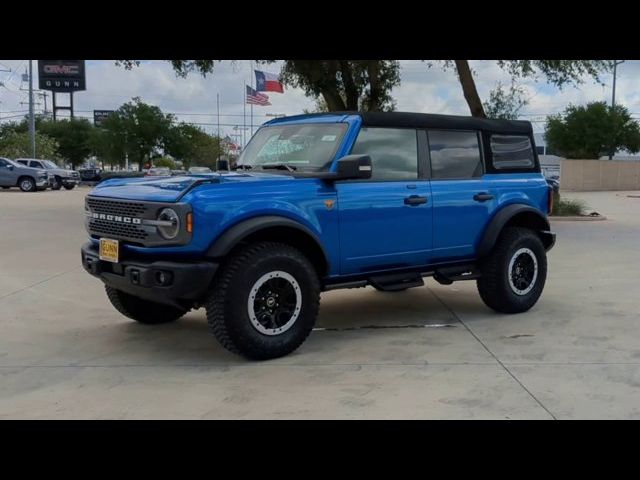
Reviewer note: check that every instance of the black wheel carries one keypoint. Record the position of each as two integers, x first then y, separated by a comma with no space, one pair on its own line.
143,311
27,184
264,301
69,187
513,275
57,184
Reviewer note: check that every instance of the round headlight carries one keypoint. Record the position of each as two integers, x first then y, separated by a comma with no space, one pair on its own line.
170,229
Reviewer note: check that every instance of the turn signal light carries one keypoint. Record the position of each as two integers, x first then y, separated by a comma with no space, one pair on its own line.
190,222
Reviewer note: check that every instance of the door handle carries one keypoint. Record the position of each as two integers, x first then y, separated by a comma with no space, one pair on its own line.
482,197
415,200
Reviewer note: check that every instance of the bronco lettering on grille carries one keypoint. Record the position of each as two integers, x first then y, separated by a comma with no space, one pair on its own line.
115,218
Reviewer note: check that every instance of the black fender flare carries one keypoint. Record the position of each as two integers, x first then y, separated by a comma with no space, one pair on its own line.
235,234
491,233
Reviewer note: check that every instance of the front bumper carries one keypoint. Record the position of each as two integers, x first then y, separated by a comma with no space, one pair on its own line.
70,181
42,182
185,282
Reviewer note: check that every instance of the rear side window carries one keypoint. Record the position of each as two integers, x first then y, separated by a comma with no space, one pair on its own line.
511,152
454,154
393,152
23,162
35,165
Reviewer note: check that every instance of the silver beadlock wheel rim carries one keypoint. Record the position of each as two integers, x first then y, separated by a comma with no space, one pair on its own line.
26,185
513,271
264,304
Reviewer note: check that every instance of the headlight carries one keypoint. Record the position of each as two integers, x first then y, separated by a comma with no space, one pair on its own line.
168,224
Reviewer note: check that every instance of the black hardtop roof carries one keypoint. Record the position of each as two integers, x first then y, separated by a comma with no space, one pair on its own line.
426,120
431,120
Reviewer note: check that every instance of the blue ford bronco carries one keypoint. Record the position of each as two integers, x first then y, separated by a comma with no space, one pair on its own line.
324,201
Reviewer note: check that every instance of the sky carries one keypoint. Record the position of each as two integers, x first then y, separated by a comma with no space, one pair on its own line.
194,99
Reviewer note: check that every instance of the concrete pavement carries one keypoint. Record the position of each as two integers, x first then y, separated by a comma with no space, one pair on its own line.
66,353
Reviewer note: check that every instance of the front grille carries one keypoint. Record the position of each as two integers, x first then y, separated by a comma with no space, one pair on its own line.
125,209
101,227
114,229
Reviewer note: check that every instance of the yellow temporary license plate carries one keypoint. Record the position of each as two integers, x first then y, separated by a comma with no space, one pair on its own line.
109,250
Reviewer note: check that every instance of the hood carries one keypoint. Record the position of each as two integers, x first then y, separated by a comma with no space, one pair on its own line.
171,189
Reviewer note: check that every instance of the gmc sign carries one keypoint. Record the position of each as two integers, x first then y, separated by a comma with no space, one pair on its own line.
61,75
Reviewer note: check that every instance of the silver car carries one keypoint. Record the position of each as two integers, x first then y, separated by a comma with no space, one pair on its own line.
13,174
58,177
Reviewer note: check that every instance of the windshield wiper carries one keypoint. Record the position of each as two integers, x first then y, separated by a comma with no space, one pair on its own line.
279,166
242,166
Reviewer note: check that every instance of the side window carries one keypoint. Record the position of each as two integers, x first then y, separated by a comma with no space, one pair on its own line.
511,151
454,154
393,152
23,162
35,164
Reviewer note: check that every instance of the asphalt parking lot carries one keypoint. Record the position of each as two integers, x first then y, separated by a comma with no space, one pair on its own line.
66,353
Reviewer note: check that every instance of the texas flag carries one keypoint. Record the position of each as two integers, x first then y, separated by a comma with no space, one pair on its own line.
268,82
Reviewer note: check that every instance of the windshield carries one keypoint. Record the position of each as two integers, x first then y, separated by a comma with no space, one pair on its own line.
49,164
306,147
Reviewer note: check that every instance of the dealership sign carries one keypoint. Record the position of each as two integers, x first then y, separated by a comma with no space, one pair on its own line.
100,116
61,75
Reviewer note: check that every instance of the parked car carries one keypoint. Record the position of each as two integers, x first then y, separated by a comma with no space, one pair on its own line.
322,202
159,172
178,172
90,174
200,170
13,174
58,177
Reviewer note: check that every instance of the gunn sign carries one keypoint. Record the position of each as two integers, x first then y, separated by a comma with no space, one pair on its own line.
61,75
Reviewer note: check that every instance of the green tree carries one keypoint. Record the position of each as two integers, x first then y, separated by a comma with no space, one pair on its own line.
341,84
193,146
14,144
592,131
139,129
556,72
73,136
164,162
506,104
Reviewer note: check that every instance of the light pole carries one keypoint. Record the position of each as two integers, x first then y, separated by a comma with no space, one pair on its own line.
613,93
32,121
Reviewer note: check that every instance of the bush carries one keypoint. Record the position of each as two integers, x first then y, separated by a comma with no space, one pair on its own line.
120,174
566,208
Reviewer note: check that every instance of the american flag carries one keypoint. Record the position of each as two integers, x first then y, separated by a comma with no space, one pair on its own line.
257,98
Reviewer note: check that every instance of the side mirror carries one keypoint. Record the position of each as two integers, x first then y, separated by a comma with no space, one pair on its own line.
10,167
354,167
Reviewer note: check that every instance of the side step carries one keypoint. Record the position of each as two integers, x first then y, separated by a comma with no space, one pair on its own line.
446,276
399,281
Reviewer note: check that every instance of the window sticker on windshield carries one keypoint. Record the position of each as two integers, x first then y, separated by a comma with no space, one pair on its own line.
329,138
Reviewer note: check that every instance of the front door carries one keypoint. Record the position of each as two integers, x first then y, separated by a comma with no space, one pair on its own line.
386,221
8,174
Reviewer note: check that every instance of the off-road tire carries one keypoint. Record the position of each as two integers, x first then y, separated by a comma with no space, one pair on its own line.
143,311
494,286
57,183
24,181
69,187
227,305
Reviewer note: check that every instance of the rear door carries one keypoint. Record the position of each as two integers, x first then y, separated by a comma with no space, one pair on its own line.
385,221
463,199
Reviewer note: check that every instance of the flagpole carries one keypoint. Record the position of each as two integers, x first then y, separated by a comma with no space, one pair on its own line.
244,115
251,78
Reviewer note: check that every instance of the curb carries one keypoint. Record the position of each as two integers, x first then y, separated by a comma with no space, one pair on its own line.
584,218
